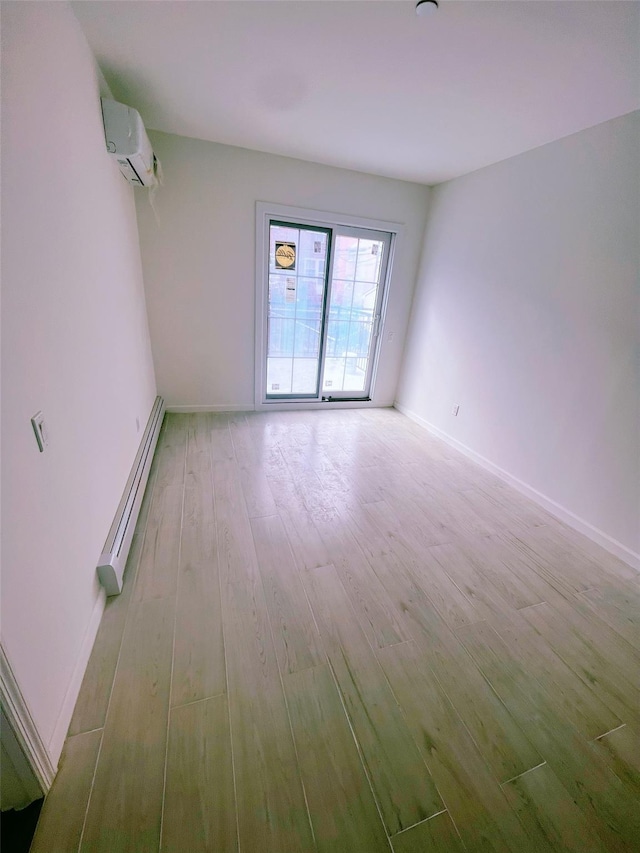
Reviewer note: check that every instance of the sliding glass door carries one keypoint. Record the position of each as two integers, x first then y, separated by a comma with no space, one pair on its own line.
298,274
324,310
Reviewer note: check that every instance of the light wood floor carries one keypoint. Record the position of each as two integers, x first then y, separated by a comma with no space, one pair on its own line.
337,634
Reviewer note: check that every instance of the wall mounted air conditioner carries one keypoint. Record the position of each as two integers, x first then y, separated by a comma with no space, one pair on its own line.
128,143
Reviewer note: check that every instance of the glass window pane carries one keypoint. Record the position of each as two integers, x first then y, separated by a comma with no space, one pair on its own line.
307,338
312,253
355,374
359,339
364,300
369,258
345,257
309,298
279,375
280,302
305,375
341,299
337,337
333,374
280,337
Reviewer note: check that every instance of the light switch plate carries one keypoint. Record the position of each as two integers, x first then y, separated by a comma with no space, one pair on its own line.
40,431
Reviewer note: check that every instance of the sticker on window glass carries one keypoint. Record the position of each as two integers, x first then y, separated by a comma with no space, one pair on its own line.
275,386
328,383
317,246
290,290
285,256
374,249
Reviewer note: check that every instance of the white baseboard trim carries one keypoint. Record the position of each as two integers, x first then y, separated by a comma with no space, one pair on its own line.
632,558
302,406
213,407
298,406
56,742
23,726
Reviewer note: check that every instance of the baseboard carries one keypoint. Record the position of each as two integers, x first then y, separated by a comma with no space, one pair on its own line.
213,407
280,407
302,406
56,742
23,726
632,558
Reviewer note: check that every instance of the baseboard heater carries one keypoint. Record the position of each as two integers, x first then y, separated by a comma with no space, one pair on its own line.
116,549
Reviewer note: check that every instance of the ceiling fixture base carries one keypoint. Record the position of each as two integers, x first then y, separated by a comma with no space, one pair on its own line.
426,7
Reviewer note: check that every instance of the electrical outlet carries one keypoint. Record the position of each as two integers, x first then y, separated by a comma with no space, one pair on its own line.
455,410
40,431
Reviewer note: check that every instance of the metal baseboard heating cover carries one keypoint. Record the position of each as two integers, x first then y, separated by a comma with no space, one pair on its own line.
114,555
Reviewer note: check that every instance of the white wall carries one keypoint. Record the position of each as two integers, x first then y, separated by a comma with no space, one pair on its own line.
526,313
199,263
75,344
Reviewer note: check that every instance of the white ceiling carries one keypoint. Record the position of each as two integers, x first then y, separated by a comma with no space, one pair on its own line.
369,85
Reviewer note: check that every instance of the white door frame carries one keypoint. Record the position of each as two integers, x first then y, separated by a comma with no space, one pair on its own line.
34,764
303,216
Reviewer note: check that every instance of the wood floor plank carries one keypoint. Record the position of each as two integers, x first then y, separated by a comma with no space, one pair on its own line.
253,473
618,607
236,552
579,619
62,816
561,568
609,807
198,659
450,602
243,445
505,549
272,812
286,493
577,548
91,706
401,783
471,794
295,634
551,818
308,549
599,663
172,443
487,600
125,807
257,492
343,811
449,508
572,698
435,835
157,572
508,585
157,569
395,489
620,750
501,514
220,438
377,617
502,742
199,804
